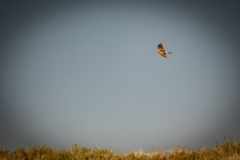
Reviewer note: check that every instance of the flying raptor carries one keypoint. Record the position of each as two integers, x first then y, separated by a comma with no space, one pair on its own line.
162,51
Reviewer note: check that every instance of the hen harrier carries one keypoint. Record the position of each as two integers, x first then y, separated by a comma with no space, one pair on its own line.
162,51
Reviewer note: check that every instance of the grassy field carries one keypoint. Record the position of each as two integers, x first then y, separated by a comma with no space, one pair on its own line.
227,150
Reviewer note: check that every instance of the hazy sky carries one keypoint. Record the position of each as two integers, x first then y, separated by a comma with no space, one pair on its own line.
88,73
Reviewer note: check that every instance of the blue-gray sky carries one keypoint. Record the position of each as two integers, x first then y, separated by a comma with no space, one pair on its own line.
88,73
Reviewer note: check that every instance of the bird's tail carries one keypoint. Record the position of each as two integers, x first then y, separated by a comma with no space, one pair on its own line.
168,52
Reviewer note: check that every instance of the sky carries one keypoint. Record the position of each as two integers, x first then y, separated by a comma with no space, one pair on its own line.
88,73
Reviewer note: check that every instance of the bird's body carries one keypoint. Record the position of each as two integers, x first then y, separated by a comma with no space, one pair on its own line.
162,51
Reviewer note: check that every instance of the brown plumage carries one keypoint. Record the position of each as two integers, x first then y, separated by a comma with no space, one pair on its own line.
162,51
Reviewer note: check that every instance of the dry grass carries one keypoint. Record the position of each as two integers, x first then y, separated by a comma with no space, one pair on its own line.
226,151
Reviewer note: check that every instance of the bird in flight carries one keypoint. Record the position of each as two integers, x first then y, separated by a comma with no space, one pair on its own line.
162,51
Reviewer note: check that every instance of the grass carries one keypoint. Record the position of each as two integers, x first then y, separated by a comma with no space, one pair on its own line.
228,150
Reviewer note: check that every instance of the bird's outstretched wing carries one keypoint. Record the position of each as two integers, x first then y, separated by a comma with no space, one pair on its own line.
161,50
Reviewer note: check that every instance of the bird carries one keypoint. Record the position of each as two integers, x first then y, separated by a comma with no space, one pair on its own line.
162,51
